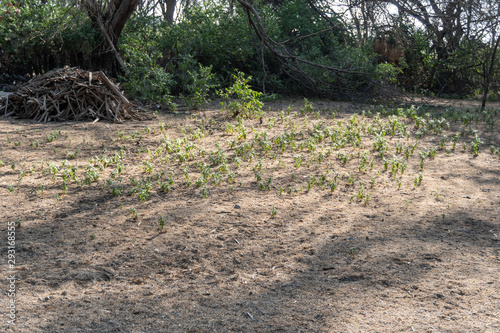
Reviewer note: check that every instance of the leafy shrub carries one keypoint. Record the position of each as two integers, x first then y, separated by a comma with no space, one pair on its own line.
146,80
212,38
387,73
240,99
196,81
36,37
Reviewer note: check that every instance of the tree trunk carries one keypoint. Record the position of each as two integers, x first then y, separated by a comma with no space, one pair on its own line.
170,11
109,18
489,73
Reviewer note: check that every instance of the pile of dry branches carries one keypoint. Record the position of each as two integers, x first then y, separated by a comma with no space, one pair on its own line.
69,94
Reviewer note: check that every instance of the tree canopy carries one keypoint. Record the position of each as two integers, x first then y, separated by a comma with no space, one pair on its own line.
336,49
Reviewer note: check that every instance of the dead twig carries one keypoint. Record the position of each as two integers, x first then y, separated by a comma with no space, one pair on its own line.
70,94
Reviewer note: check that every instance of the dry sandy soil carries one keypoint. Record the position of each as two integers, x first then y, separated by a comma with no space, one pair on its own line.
385,256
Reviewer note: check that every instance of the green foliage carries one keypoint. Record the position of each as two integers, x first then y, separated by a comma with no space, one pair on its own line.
37,36
296,18
455,72
213,38
192,57
387,73
195,81
146,79
240,99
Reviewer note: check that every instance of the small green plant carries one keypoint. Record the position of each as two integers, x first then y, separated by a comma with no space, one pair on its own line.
419,178
274,211
423,155
403,168
432,152
437,195
35,143
91,174
53,135
442,141
22,174
297,160
161,221
133,211
311,182
308,107
475,145
454,141
205,192
343,157
361,192
73,155
228,128
147,167
333,185
41,189
145,191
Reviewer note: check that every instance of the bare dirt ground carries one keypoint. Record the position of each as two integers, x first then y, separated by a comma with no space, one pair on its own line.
382,252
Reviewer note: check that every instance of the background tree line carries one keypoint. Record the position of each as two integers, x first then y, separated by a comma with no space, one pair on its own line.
337,49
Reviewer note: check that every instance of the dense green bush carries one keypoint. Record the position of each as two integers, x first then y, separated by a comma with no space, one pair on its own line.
457,74
212,37
145,79
196,82
37,37
199,53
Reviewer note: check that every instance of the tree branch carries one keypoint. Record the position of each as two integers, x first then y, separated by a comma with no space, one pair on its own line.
292,63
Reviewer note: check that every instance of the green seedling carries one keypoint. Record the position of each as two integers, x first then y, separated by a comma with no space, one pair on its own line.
133,211
437,195
333,185
343,157
475,145
274,211
297,160
22,174
423,155
161,223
